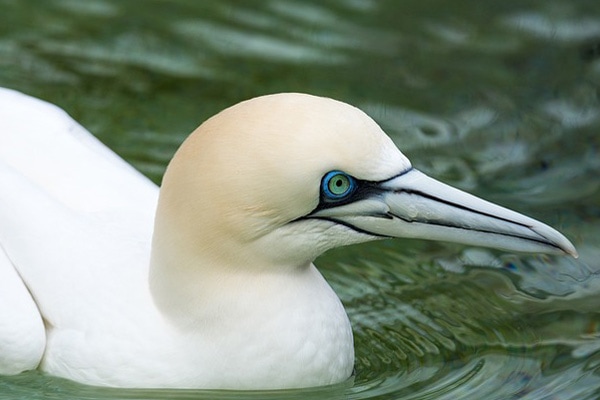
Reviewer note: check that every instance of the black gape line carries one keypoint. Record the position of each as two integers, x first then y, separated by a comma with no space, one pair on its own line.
350,226
364,190
373,189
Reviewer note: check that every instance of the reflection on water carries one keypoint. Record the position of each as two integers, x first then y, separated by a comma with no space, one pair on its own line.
501,100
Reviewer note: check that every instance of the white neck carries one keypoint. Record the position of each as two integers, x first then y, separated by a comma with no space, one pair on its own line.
277,328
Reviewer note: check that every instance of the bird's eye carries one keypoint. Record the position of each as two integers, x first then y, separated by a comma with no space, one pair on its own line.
337,185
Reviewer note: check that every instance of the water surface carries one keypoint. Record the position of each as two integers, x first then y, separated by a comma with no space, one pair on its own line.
500,99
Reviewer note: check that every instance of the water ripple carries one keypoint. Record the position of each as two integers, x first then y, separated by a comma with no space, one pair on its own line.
499,100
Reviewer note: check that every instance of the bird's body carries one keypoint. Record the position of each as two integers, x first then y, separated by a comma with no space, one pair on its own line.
222,293
77,227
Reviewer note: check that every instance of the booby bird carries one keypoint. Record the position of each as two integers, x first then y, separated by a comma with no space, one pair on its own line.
222,293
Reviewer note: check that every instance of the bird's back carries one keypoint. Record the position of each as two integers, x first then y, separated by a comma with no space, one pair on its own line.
75,224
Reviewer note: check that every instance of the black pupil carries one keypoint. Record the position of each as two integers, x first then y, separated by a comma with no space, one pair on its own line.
338,183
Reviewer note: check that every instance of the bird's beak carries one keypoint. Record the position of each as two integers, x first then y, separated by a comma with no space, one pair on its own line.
413,205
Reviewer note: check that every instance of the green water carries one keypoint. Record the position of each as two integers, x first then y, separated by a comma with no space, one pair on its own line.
497,98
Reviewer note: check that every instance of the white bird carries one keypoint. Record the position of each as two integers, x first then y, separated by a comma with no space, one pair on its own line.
222,293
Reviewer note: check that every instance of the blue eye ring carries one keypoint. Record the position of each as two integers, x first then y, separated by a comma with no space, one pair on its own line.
337,185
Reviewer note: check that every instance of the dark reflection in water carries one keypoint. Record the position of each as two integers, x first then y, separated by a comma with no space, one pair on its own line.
500,99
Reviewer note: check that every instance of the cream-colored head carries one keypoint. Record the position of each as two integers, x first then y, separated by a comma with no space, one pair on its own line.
239,179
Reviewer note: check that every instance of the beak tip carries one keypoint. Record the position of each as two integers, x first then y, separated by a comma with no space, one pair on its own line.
567,247
556,239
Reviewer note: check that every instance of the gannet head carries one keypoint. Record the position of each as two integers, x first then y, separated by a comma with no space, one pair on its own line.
275,181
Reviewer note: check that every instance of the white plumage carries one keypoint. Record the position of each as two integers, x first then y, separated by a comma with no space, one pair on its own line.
223,294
